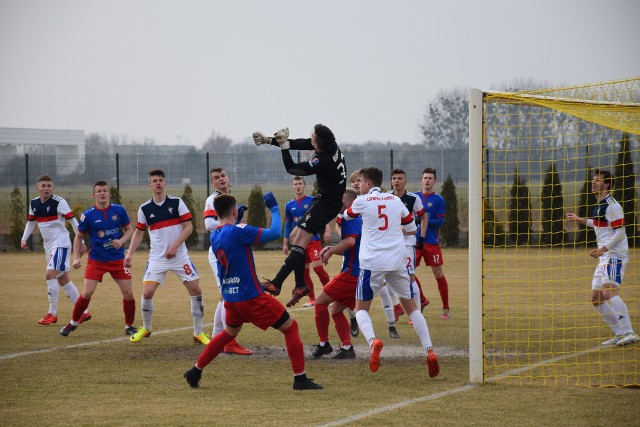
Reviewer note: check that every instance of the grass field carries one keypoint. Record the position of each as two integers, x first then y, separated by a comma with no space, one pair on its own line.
96,377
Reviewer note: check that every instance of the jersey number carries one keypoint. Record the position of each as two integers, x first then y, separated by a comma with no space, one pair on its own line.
222,259
187,269
384,217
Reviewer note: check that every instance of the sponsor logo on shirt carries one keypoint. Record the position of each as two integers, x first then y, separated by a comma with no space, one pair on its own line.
314,161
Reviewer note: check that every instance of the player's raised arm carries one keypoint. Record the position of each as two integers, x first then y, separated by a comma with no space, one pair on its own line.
273,232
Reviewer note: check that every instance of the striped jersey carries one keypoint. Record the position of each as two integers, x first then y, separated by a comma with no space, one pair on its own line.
434,207
414,206
211,220
103,226
607,217
51,216
164,222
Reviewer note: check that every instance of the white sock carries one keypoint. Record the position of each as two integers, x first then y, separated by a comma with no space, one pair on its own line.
365,325
71,291
387,304
197,312
218,322
622,313
147,313
422,330
416,293
52,293
609,316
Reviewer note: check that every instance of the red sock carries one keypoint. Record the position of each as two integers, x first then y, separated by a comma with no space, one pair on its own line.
309,283
129,308
294,348
422,295
213,349
342,328
322,275
443,287
322,322
79,308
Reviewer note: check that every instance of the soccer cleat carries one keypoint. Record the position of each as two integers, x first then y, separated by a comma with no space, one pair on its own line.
269,287
234,348
130,330
309,304
306,385
393,332
354,328
297,294
432,364
445,314
85,316
48,319
397,311
201,338
342,353
320,350
141,333
193,376
68,329
613,341
374,358
423,304
628,339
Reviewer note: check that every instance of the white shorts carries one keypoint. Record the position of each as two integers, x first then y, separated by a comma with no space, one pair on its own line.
609,270
58,260
182,266
411,258
213,262
369,282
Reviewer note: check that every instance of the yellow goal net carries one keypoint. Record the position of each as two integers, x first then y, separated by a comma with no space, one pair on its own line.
532,156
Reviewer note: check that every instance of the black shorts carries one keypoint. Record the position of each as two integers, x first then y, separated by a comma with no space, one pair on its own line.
321,212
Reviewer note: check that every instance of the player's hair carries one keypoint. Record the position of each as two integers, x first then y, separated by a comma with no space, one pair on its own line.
299,178
355,174
398,172
431,171
351,193
606,176
44,178
372,174
324,136
224,204
156,172
216,169
100,183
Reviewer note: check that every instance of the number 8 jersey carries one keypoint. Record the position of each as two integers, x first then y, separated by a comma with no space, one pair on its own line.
165,225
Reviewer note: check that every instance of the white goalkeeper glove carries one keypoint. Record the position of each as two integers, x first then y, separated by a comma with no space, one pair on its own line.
282,137
259,139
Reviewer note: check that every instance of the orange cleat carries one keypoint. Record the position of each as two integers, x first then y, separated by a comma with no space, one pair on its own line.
234,348
48,319
432,364
297,294
397,311
374,359
85,316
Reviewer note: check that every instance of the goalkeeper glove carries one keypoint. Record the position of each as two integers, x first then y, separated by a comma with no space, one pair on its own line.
420,243
259,139
241,210
270,200
282,137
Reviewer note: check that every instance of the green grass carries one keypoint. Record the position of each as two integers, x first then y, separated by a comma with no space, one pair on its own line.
96,377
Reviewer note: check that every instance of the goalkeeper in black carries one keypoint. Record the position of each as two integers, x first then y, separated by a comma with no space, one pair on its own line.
329,166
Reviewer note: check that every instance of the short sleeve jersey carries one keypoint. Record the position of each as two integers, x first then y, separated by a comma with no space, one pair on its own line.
294,210
231,245
382,247
607,216
164,222
103,226
51,216
350,257
210,212
434,207
414,205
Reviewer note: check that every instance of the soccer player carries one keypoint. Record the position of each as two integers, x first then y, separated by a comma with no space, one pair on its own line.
221,183
340,292
382,257
51,212
103,223
613,255
169,223
293,211
428,243
328,165
244,298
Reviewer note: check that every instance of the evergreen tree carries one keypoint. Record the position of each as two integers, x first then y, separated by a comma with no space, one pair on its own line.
519,211
552,208
494,234
16,218
115,195
586,202
187,198
451,227
624,190
256,215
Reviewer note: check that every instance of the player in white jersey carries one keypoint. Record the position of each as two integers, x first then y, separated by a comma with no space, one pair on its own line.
220,181
169,224
51,213
382,257
613,255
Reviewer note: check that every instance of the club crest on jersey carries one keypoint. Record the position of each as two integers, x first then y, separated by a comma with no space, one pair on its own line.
48,207
314,161
429,204
81,217
114,217
305,206
170,210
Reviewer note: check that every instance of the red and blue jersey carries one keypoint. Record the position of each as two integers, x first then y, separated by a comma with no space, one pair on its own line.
434,207
103,226
350,262
294,211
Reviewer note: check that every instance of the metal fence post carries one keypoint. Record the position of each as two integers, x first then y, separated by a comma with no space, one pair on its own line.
118,172
26,181
208,188
390,161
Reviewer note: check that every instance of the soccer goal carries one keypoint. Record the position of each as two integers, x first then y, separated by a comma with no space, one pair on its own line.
531,159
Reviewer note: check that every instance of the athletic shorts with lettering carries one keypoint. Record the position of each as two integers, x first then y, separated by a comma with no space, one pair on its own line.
97,269
609,270
182,266
411,259
369,282
432,255
263,311
342,289
312,251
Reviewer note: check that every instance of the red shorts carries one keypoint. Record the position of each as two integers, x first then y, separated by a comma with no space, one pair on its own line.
312,251
96,269
263,311
342,288
432,255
